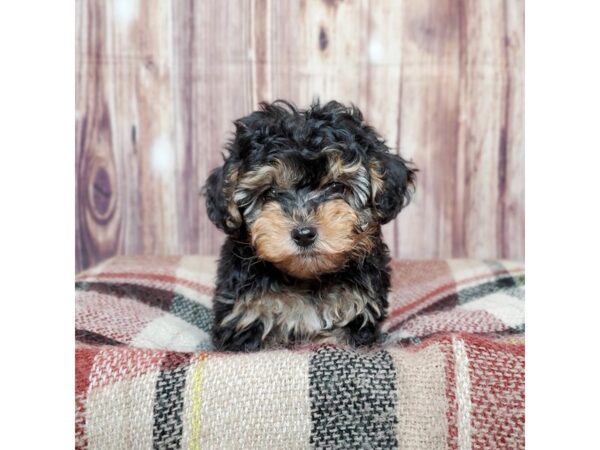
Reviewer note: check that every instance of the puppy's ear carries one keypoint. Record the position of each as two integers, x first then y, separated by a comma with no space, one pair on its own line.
218,190
392,183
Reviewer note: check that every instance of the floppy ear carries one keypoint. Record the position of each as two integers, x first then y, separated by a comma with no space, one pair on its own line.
221,208
392,184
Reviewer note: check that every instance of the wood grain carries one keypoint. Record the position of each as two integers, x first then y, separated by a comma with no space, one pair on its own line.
159,83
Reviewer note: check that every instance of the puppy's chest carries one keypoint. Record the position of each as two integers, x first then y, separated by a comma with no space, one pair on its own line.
301,315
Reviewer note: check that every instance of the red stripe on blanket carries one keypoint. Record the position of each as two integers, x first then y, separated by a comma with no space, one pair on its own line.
449,287
175,360
453,321
115,364
119,318
497,395
516,348
450,370
201,288
497,382
84,361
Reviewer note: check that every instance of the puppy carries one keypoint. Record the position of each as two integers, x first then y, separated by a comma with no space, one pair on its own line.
302,196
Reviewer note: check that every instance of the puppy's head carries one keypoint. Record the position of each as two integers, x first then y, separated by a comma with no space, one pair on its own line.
309,188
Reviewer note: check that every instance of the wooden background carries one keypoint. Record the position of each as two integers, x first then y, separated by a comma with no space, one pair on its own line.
159,83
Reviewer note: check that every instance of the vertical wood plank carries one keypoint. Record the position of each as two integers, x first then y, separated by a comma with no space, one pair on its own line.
158,151
223,90
187,179
260,53
380,95
428,125
481,145
98,213
512,229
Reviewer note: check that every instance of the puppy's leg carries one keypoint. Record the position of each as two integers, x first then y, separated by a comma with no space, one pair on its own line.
229,336
361,335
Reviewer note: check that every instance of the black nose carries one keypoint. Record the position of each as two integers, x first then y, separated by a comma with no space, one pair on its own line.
304,236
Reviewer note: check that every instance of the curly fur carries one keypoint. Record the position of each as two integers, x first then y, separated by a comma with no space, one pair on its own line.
286,168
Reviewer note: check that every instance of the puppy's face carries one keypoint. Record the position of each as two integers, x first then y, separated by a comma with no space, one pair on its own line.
309,189
307,216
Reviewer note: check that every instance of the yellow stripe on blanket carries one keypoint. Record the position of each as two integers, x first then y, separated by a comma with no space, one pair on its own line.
193,403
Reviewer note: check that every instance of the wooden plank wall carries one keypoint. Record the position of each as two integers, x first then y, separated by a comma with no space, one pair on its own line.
159,83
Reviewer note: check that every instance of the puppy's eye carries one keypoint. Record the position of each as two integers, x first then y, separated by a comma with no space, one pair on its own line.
273,192
335,187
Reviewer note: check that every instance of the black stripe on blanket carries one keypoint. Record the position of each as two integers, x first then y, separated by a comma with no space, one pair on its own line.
511,285
177,304
168,401
353,399
506,284
192,312
90,337
158,298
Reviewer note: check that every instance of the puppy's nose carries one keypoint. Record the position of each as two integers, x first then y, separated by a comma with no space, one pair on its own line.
304,236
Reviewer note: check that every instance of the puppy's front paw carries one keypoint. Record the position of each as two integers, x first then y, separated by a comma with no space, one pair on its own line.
231,340
366,335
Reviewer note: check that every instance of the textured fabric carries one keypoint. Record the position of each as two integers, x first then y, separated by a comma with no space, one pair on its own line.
256,401
353,399
421,405
449,375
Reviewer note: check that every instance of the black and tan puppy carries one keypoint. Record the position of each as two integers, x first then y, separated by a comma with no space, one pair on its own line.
302,196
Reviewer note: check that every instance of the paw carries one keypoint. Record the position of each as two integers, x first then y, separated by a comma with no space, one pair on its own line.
231,340
366,335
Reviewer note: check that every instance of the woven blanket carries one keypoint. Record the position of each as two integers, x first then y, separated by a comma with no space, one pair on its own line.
450,374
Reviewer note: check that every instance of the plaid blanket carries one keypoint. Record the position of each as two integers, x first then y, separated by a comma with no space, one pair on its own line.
450,375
